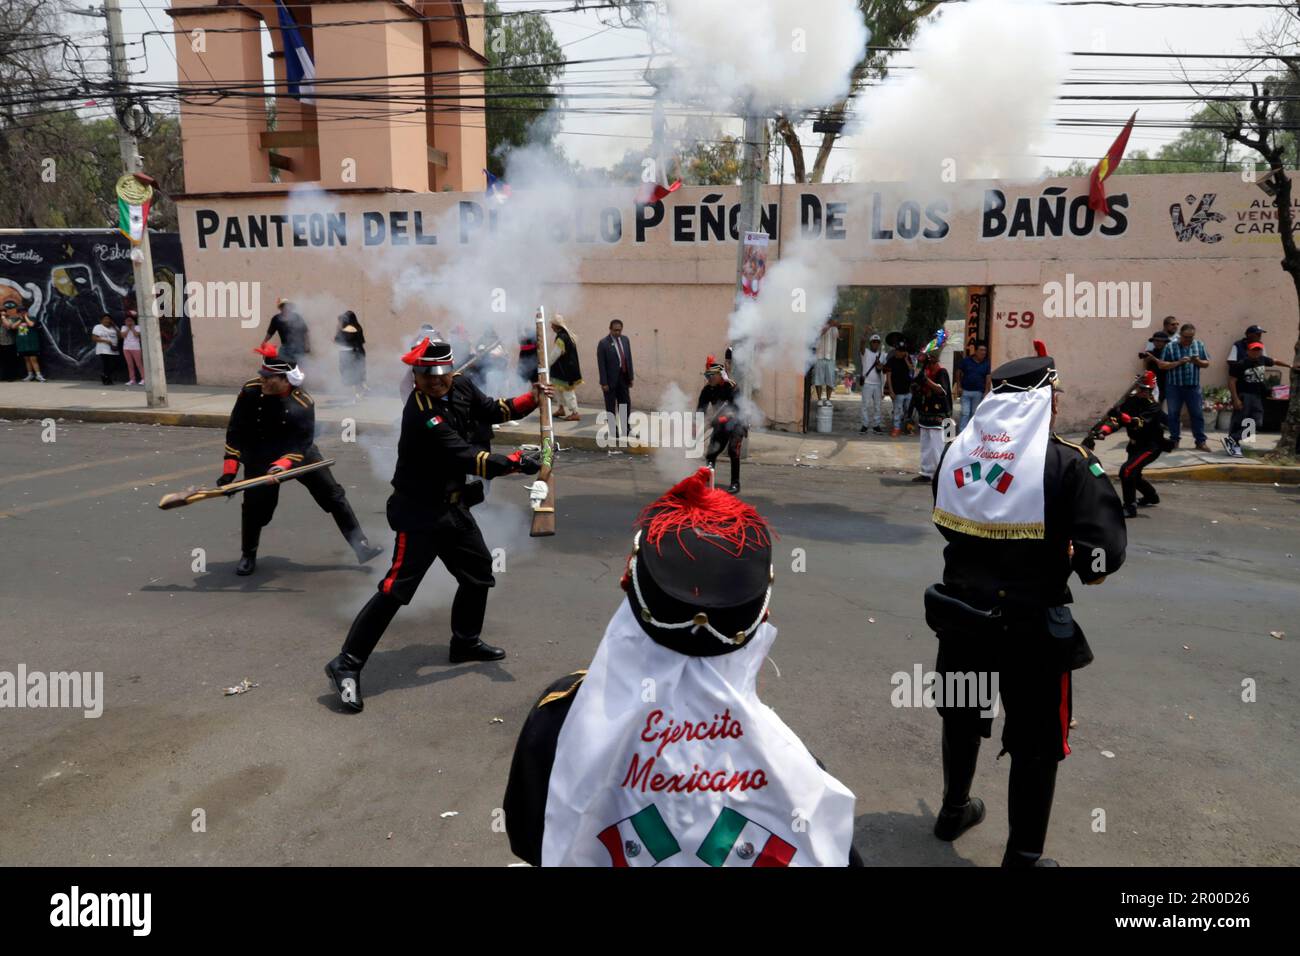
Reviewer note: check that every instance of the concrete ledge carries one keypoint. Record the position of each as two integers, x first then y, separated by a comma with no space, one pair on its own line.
148,417
1230,471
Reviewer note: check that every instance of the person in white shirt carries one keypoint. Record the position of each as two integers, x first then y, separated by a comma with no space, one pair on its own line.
873,384
105,337
824,364
132,350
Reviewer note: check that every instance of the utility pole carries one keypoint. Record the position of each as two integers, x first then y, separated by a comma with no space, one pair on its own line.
155,377
753,162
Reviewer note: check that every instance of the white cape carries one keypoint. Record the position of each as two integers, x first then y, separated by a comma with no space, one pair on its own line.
991,479
745,791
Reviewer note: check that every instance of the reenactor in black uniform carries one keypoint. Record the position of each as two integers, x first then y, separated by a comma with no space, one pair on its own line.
429,510
1145,422
1003,605
273,428
718,398
694,615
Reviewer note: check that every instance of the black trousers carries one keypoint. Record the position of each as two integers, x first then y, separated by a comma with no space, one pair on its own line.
1037,696
1130,475
731,439
618,394
453,537
106,365
260,503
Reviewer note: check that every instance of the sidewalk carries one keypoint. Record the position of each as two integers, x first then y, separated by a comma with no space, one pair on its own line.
845,449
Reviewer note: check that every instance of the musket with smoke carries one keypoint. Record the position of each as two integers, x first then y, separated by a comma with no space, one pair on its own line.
542,491
189,496
1113,419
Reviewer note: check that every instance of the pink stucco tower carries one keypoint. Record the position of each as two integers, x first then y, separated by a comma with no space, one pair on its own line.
398,96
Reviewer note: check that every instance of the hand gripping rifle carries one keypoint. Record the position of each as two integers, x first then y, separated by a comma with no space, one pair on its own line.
542,491
190,495
1113,420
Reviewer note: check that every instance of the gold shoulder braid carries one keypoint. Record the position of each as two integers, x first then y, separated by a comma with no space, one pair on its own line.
1079,448
567,692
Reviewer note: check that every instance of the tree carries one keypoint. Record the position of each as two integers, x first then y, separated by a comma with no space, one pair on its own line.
524,61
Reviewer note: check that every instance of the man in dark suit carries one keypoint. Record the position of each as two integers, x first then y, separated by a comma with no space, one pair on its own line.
614,359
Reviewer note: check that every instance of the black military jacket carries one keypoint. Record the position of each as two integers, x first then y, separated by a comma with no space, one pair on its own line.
268,428
1080,508
436,452
1146,420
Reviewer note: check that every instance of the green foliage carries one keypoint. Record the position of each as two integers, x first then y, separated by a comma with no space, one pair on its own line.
525,61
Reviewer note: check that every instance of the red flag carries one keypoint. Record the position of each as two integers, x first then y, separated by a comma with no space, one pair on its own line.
1109,163
652,192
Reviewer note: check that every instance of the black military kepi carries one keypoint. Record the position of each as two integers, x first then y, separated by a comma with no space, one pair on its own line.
430,357
1033,371
699,578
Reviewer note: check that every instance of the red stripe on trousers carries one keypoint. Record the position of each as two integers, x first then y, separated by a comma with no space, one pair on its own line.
387,586
1065,713
1127,469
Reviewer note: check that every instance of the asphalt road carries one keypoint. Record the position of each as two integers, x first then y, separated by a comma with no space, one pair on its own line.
98,579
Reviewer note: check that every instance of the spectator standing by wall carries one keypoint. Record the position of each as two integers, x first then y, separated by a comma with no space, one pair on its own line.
973,381
898,385
566,370
105,336
351,341
1183,359
872,384
28,338
1249,387
824,362
132,350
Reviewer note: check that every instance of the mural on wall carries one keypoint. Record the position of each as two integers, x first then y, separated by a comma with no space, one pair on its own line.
67,280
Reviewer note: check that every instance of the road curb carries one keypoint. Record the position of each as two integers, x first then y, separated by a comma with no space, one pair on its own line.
124,415
1250,474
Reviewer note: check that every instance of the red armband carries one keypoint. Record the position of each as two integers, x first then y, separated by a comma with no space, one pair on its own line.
722,419
230,466
284,463
523,404
514,457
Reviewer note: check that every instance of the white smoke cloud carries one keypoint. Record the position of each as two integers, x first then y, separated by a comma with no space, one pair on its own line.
779,329
976,103
774,53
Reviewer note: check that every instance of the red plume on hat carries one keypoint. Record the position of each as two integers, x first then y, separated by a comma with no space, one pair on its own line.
413,357
721,518
268,350
1148,380
1040,348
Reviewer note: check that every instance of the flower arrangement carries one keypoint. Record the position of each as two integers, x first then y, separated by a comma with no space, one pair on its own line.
1216,399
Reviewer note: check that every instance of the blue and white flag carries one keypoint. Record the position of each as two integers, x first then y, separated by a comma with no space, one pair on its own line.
298,67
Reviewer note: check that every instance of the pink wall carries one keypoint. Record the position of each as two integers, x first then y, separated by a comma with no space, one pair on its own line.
674,290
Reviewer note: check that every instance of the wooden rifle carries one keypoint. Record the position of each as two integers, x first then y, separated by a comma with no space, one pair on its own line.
189,496
542,495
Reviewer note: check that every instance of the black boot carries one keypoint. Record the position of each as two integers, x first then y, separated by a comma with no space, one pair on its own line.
344,673
473,649
247,564
347,523
960,810
1130,511
1029,807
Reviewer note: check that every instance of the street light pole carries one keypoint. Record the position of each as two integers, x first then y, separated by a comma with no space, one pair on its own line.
751,176
155,376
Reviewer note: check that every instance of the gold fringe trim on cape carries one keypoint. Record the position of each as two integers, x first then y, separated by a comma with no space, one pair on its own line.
987,529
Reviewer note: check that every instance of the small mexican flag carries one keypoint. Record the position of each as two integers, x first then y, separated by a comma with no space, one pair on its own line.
642,839
1000,479
968,475
736,840
131,219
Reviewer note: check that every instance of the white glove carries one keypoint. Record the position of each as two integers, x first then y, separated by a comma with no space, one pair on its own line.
537,493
